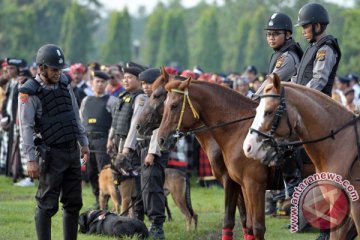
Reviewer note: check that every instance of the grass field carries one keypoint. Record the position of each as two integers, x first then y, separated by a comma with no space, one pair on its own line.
17,206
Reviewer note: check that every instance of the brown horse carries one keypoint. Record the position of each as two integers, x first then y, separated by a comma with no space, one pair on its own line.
321,123
150,120
187,105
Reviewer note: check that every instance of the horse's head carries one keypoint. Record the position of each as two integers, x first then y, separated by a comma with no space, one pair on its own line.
180,113
150,119
271,121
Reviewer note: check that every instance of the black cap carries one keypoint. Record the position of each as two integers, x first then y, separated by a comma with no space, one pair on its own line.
18,62
25,73
251,68
353,76
149,75
344,79
133,68
102,75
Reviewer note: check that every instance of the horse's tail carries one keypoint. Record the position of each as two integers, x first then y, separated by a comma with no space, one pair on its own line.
187,196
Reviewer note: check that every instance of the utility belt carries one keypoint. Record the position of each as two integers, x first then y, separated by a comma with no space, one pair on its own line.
96,135
69,145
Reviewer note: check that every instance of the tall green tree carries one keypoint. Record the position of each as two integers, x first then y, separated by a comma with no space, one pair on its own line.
237,61
17,37
76,34
350,47
49,19
173,43
152,36
209,52
257,51
118,45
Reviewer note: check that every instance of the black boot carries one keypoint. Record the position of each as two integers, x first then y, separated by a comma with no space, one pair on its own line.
292,177
156,232
70,225
270,204
43,225
324,235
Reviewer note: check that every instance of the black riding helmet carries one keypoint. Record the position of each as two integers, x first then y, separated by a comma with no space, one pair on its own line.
279,21
51,55
312,13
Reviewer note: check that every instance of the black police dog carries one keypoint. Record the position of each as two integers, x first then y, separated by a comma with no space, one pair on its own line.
111,224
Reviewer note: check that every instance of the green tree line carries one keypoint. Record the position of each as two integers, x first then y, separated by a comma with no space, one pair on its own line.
219,38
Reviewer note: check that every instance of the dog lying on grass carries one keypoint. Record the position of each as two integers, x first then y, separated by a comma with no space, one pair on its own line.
111,224
176,183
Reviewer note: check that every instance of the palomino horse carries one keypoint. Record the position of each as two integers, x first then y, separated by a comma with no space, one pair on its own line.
150,120
216,107
324,127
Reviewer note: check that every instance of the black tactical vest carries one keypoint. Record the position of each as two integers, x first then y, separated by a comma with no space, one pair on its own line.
123,113
305,71
57,123
96,117
291,46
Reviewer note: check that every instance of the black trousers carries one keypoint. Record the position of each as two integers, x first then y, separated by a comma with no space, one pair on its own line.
152,183
98,159
60,177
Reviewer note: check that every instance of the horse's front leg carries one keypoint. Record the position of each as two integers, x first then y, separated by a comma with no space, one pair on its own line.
233,195
255,207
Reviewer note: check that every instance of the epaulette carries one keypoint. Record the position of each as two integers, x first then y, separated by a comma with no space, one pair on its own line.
30,86
64,79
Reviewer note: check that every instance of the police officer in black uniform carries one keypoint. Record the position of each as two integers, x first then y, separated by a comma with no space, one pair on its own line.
321,58
153,171
48,108
122,135
96,117
283,62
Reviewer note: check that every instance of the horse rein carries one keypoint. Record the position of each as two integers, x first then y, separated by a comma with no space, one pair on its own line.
179,134
280,110
281,147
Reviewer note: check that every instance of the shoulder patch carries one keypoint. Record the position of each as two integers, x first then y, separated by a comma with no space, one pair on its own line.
279,62
24,97
320,55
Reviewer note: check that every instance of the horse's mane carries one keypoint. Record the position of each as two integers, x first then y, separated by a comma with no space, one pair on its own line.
159,81
318,97
228,95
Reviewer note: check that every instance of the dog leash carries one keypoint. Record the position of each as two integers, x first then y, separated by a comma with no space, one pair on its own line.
138,196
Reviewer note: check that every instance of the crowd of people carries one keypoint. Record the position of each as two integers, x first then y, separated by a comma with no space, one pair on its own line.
47,108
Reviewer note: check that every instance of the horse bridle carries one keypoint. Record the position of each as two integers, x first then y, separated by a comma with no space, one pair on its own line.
179,134
279,112
185,93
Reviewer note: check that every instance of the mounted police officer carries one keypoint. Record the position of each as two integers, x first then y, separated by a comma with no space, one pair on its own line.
122,135
287,52
284,61
96,117
48,109
153,171
321,58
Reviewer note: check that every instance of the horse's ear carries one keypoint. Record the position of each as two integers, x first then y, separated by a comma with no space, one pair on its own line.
165,75
187,82
276,81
